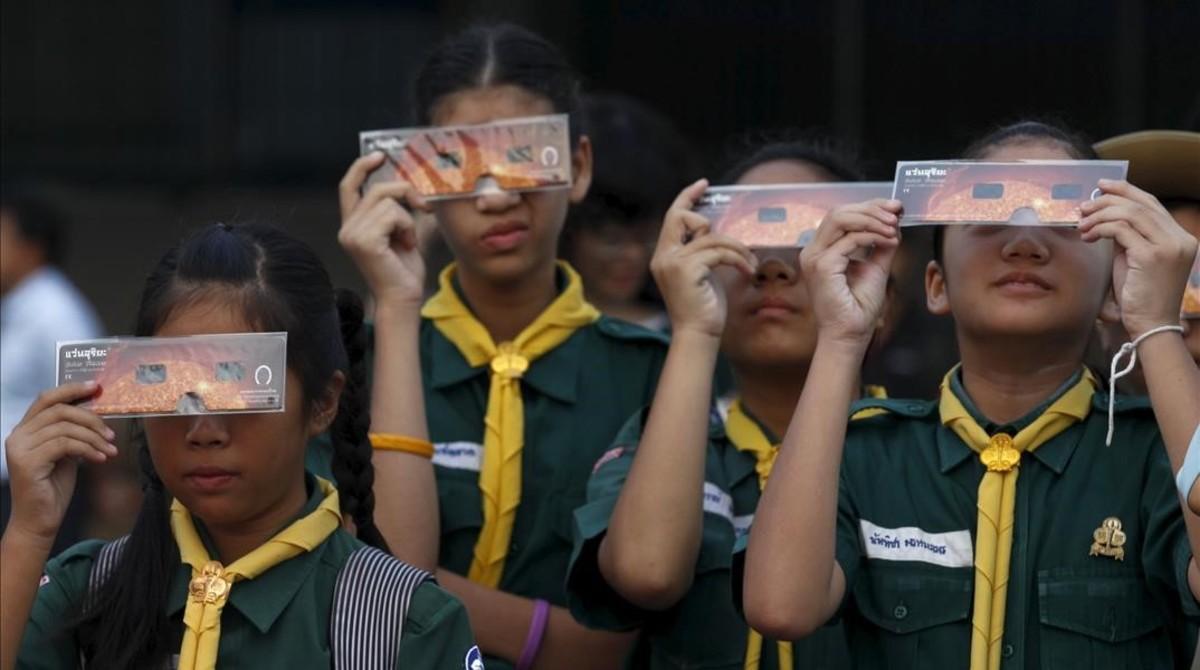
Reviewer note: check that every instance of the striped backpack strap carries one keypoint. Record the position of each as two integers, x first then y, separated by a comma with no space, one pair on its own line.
102,568
370,603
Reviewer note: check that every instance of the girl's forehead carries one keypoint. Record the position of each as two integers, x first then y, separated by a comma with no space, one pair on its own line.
207,316
784,171
1026,150
487,104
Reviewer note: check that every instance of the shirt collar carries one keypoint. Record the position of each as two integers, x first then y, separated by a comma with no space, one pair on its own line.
555,373
1054,454
262,599
738,464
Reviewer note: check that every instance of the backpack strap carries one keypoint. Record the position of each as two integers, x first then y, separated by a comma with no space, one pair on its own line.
370,603
102,568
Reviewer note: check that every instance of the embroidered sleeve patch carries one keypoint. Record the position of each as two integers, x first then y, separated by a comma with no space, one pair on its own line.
474,660
742,524
458,455
610,455
951,550
717,501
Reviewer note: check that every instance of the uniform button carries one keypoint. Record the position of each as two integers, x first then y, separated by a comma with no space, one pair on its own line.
1007,651
900,612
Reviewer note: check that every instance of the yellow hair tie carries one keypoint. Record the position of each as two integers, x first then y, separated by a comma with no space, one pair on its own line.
408,445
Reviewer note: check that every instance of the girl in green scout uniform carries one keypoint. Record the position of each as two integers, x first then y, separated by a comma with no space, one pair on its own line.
239,557
649,555
525,383
928,546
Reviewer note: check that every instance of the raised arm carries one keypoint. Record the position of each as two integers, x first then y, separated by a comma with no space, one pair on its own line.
43,452
1150,268
793,584
379,234
649,553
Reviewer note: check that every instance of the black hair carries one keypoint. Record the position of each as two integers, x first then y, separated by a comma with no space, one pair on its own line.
281,285
825,153
498,55
37,220
641,162
1029,131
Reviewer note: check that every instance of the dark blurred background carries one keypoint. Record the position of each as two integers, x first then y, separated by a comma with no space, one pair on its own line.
148,117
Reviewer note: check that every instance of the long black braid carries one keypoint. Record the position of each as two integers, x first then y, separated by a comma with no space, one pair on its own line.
352,450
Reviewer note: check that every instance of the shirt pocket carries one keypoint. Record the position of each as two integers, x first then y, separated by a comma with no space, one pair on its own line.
461,514
921,614
1099,617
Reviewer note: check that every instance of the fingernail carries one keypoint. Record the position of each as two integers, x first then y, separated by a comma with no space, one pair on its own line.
91,384
110,433
1106,182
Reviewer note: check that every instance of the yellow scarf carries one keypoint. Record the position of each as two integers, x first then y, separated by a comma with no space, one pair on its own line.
211,582
504,425
1001,454
746,435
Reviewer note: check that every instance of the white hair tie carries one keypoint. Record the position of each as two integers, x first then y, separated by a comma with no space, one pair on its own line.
1129,348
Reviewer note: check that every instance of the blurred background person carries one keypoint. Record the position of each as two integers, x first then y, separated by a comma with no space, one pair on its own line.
39,306
641,162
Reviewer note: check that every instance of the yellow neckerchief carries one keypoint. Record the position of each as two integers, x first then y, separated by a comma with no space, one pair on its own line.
504,424
746,435
212,582
1001,454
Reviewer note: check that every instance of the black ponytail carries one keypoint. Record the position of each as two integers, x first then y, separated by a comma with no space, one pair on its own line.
280,285
351,448
498,55
122,624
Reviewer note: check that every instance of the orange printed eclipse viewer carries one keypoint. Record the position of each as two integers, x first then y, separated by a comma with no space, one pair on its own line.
1014,193
522,154
164,376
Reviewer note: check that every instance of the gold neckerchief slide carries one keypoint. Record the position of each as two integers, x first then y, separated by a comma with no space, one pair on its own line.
504,424
212,582
1001,455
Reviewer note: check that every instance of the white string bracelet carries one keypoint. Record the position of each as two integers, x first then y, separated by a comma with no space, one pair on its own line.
1130,349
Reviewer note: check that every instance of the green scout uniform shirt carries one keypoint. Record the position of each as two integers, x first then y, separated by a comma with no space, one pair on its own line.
576,397
704,629
279,619
905,539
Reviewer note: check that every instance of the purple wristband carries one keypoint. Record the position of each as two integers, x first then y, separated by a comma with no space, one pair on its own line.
537,630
